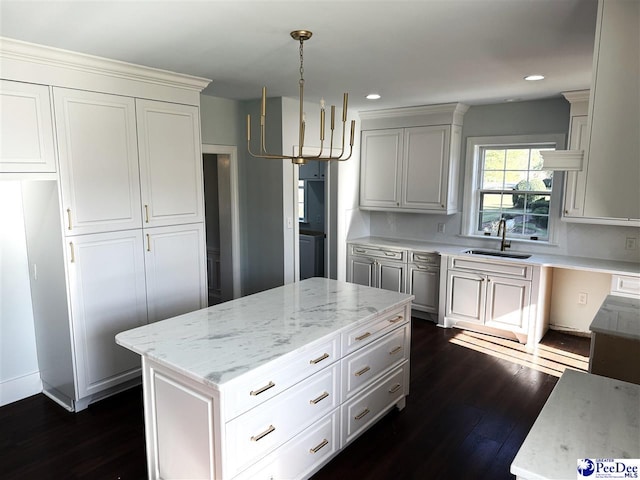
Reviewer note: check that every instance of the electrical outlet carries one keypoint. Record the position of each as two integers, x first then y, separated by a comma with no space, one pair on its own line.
631,243
582,298
289,222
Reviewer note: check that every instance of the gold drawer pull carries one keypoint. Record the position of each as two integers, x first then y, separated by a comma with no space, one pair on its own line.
260,436
395,388
362,372
263,389
396,319
319,399
363,336
73,253
390,254
362,414
395,350
359,250
319,359
69,217
323,443
146,214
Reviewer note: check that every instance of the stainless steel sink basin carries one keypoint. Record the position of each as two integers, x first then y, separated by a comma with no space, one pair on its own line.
496,253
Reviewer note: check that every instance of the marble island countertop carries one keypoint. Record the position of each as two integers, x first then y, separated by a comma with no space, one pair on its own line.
618,316
547,260
218,344
586,416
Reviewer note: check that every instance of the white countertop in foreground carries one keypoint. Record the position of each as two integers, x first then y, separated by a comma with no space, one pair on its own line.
618,316
547,260
217,344
586,416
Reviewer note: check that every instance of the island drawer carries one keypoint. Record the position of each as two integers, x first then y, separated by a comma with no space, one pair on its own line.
378,252
261,384
302,455
366,408
263,429
365,334
364,366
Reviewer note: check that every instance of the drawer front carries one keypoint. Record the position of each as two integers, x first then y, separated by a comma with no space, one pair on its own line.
263,429
425,258
302,455
625,285
362,411
379,252
262,384
362,367
515,270
365,334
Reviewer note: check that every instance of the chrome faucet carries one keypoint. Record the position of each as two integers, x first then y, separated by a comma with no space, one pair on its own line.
502,226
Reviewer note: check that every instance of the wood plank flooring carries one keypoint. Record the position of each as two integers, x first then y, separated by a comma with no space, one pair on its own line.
472,402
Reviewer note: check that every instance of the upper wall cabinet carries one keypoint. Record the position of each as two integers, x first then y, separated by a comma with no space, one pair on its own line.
170,163
410,159
99,174
26,128
612,154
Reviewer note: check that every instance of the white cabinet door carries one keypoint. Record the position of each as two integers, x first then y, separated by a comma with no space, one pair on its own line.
26,128
361,271
381,168
424,283
426,167
508,303
390,276
107,293
175,270
99,174
170,163
466,294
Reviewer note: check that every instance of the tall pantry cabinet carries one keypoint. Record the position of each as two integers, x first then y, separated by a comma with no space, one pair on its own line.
115,237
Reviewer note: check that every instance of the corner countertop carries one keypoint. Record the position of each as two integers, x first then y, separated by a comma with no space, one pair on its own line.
217,344
618,316
545,260
586,416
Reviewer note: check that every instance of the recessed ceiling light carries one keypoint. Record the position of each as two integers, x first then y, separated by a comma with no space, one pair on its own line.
373,96
533,78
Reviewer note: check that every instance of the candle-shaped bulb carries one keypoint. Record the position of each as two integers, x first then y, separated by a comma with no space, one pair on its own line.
322,104
304,117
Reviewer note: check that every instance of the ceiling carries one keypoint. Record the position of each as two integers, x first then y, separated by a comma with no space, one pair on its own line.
417,52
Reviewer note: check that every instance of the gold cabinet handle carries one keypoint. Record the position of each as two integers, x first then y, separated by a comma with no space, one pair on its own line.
73,253
148,242
69,218
260,436
357,250
390,254
363,336
362,372
319,399
396,319
146,213
362,414
323,443
262,390
395,350
395,388
319,359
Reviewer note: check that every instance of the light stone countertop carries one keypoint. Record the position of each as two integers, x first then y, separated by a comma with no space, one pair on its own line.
618,316
586,416
220,343
547,260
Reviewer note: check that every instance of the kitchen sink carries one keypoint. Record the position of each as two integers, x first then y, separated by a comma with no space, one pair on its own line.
496,253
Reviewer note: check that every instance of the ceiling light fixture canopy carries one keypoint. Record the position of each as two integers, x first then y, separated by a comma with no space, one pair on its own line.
300,159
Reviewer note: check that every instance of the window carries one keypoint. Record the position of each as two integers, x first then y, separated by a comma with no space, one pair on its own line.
302,204
507,181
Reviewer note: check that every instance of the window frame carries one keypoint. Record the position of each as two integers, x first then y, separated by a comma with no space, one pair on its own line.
473,167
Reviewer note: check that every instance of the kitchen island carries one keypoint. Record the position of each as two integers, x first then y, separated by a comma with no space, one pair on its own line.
271,385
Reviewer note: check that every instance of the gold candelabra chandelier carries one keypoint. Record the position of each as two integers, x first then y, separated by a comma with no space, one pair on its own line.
300,159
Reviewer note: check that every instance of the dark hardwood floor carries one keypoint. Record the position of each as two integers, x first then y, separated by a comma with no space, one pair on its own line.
472,402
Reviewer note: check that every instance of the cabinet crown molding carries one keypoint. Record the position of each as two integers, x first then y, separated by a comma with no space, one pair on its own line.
455,112
15,53
577,96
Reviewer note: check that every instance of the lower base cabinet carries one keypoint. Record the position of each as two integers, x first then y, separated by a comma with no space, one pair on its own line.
197,432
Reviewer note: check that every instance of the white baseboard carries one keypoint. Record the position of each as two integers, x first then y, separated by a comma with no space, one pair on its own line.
19,388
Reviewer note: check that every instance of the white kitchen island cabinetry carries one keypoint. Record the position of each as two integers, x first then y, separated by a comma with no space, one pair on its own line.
272,385
410,159
508,299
